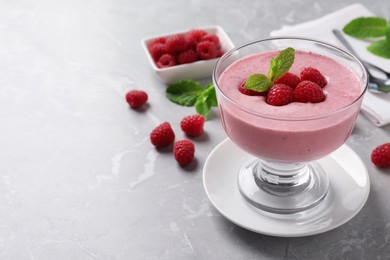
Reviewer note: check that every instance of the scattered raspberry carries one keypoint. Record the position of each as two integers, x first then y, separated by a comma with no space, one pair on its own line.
157,50
289,79
184,151
136,98
193,37
193,125
212,38
308,91
249,92
313,75
166,60
187,56
176,44
380,156
206,50
162,135
280,95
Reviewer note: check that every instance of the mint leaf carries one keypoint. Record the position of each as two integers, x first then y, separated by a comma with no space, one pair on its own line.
366,27
258,82
184,92
203,108
380,48
211,95
206,100
191,93
388,35
281,64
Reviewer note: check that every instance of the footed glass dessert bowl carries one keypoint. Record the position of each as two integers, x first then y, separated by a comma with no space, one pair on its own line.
288,139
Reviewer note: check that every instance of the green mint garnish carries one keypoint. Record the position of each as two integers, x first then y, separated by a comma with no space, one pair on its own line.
279,65
191,93
258,82
375,28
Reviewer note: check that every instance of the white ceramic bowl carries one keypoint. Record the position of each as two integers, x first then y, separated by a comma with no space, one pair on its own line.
195,70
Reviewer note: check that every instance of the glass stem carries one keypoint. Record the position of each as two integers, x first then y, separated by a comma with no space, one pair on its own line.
282,179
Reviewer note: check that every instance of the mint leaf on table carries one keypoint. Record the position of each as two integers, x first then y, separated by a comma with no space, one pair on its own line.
369,28
366,27
281,64
380,48
387,33
209,92
206,100
184,92
190,93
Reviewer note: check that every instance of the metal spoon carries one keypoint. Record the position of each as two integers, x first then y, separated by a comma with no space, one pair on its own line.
375,84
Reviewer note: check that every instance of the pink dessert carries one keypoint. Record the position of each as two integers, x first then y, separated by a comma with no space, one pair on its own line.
296,132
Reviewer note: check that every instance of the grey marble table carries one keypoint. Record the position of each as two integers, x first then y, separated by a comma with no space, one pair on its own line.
79,178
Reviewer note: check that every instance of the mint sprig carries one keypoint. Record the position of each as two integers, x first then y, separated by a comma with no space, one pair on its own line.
191,93
279,65
258,82
206,100
375,28
184,92
366,27
380,48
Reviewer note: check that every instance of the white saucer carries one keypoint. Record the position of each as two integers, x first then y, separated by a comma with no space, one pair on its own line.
349,189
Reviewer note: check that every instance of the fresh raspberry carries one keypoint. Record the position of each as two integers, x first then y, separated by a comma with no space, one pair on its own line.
280,95
157,50
162,135
289,79
136,98
206,50
380,156
308,91
176,44
184,144
313,75
187,56
192,125
212,38
249,92
220,53
166,60
157,40
184,151
193,37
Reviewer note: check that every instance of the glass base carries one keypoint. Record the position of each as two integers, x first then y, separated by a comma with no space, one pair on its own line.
283,188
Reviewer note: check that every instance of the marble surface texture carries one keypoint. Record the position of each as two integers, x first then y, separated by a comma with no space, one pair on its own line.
79,178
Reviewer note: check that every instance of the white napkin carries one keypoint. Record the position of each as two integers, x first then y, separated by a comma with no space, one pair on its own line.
376,107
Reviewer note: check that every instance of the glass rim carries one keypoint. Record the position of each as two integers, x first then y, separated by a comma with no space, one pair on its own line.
300,118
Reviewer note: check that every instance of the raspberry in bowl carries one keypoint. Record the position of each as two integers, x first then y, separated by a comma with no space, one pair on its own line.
187,54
